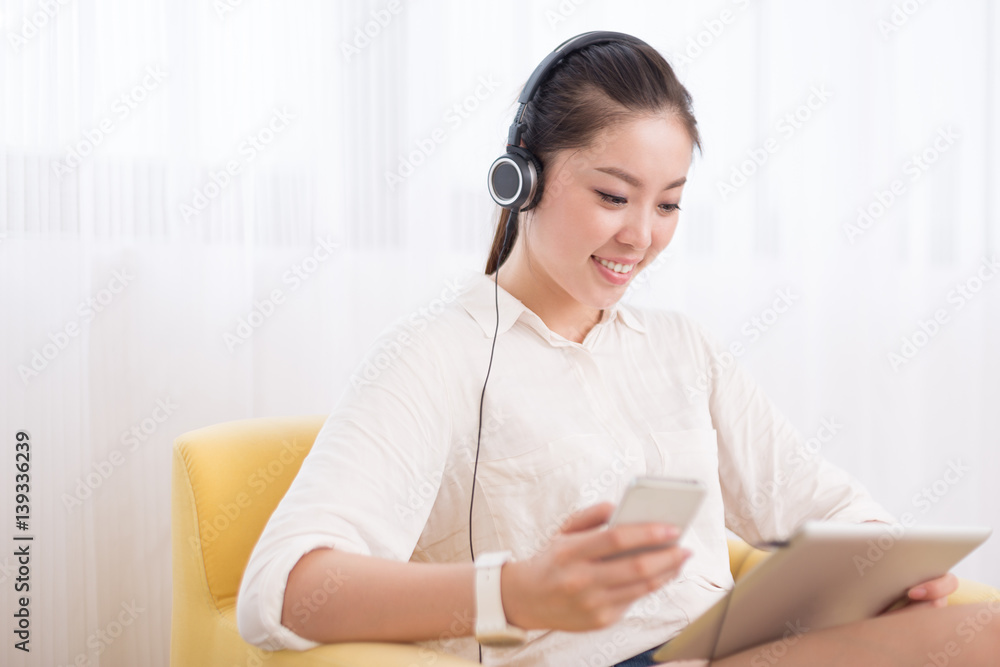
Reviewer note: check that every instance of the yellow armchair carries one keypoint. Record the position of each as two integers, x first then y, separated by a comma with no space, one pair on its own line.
226,481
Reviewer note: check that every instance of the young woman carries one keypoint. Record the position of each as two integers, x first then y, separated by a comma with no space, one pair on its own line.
583,394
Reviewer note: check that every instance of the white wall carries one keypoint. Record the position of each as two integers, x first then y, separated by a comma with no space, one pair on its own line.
199,78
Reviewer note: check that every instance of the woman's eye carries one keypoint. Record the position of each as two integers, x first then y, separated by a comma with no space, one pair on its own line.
615,200
611,199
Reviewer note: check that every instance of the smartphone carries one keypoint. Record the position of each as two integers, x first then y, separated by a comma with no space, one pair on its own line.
661,500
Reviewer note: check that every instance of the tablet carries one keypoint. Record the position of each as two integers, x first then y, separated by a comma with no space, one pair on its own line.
827,574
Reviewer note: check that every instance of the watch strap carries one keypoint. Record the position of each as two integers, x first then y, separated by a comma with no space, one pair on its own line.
492,628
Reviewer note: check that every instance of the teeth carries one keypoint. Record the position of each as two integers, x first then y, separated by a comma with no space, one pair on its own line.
617,268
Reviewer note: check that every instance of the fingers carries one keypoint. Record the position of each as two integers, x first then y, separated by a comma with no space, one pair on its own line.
623,554
625,580
588,517
933,593
935,589
651,570
580,585
617,540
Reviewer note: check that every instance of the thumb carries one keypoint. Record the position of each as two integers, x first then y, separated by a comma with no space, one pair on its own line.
588,517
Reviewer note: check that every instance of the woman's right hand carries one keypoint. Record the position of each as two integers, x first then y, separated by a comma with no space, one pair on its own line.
568,586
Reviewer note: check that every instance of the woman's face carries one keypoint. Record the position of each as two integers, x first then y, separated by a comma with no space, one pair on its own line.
608,210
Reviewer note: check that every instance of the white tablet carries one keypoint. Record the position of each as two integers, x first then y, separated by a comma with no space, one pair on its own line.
827,574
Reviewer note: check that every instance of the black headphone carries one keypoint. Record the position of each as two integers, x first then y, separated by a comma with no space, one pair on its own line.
513,178
513,182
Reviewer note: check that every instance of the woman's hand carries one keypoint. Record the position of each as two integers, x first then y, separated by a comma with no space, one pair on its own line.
932,593
568,586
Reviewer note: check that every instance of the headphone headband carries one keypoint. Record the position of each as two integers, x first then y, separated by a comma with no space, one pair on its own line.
541,72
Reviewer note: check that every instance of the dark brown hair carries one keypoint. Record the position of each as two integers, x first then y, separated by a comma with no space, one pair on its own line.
589,90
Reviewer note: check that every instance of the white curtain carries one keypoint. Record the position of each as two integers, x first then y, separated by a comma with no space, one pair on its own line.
209,209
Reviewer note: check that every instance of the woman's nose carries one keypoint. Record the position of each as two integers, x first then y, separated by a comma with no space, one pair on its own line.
637,230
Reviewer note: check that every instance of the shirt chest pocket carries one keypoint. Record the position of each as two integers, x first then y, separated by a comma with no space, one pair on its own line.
531,494
694,454
689,454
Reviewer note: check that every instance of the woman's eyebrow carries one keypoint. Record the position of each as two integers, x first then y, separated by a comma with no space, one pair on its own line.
632,180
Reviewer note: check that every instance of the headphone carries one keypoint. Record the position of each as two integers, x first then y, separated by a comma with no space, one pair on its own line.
514,184
513,178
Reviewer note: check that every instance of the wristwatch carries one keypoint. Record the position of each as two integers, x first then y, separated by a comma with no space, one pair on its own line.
492,628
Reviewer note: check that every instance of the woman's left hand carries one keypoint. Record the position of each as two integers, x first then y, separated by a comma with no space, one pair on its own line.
932,593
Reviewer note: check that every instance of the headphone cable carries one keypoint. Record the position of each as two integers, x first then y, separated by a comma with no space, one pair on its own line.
511,223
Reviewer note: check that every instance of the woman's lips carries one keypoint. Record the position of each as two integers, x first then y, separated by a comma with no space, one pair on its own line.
612,277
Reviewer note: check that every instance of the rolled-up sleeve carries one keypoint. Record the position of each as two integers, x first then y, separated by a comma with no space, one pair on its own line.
388,435
771,481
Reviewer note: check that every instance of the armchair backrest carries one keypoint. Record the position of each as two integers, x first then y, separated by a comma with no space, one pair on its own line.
227,481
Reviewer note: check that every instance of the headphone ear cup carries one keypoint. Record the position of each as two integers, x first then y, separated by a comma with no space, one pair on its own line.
513,178
535,169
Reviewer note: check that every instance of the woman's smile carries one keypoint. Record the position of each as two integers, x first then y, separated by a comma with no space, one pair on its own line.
617,273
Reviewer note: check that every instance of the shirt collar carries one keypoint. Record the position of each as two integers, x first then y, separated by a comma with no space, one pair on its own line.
479,300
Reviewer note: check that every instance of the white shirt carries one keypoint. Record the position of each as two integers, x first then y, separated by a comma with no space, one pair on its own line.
565,425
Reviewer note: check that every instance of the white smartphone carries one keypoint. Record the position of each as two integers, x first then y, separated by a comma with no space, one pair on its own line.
661,500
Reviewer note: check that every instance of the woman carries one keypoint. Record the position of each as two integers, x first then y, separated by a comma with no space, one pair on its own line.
583,394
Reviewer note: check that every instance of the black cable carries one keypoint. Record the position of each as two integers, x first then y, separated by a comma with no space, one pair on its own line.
511,223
